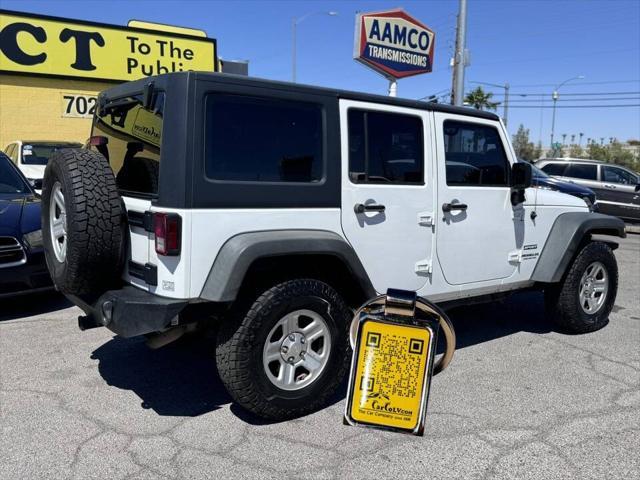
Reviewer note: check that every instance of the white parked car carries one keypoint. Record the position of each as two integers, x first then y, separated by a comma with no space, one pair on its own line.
274,210
31,157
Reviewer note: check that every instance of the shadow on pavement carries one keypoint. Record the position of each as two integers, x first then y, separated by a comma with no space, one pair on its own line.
181,379
27,305
522,312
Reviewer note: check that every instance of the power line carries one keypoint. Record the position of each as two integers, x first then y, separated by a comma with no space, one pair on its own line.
536,94
577,106
577,85
605,99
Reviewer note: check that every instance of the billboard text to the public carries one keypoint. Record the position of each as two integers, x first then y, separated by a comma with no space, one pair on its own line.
33,44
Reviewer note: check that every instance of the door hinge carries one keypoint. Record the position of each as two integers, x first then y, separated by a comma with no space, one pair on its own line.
424,266
425,219
515,256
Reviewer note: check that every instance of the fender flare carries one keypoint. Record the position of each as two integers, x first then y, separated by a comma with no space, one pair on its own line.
239,252
564,240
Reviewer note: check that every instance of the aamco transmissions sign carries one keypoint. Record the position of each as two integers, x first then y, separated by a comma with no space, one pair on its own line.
43,45
393,43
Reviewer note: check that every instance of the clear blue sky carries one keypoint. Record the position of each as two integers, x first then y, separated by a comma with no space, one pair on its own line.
533,45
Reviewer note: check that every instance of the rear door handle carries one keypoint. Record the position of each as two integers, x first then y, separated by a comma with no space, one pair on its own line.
448,207
613,187
361,208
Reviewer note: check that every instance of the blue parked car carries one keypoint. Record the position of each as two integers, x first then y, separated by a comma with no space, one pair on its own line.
542,180
22,263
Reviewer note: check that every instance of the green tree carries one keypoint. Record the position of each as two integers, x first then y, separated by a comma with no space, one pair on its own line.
480,99
525,149
617,154
575,151
595,151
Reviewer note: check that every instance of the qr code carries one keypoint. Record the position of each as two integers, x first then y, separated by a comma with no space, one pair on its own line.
396,361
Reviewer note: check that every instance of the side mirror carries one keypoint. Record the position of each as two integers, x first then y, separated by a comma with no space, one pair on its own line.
521,176
36,183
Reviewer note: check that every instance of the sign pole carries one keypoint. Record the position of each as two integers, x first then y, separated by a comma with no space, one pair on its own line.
393,87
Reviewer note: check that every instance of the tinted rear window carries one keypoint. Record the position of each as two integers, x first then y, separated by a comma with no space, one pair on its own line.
254,139
586,172
385,148
554,168
129,136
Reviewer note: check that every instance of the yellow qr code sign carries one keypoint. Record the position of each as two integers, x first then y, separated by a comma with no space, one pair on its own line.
388,387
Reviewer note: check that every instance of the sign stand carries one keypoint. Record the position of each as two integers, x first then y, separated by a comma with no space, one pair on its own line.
393,87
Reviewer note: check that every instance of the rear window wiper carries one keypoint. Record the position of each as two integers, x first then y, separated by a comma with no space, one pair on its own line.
119,104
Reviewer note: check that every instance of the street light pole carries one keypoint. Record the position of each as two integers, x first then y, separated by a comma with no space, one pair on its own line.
554,97
294,34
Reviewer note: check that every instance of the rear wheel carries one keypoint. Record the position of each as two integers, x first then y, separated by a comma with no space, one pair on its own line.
582,302
289,351
82,223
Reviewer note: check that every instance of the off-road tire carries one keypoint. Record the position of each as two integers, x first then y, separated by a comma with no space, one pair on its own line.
562,300
94,213
241,338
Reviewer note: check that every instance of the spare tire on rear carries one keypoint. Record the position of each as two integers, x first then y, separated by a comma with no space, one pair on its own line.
82,223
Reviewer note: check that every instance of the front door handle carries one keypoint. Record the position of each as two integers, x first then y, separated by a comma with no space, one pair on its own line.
613,187
448,207
361,208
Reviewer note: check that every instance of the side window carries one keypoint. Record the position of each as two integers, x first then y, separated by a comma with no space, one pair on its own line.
583,171
474,155
618,175
263,140
385,148
555,168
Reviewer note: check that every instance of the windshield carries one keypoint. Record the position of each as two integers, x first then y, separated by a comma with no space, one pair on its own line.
39,153
537,173
10,180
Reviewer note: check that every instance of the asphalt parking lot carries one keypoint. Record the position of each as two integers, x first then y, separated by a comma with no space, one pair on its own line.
520,400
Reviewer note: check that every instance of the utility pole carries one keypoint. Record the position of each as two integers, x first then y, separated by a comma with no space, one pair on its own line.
459,60
506,103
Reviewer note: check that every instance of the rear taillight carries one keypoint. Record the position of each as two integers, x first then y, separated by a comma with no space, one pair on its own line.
166,227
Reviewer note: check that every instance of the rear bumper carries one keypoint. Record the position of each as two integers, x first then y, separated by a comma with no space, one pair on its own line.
129,311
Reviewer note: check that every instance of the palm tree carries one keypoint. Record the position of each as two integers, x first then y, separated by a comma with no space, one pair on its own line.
480,99
581,135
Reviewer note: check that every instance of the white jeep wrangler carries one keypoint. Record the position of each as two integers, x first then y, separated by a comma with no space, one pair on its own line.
273,210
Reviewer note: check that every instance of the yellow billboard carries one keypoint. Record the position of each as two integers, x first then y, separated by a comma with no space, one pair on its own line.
42,45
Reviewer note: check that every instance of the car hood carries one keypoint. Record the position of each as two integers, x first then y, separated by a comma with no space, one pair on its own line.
19,215
539,197
563,186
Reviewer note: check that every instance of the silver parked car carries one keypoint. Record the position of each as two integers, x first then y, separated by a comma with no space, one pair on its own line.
617,188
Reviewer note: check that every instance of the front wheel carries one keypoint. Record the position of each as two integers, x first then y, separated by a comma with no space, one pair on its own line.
583,300
289,352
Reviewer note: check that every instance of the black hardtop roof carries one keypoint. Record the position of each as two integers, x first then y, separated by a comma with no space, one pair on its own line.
241,80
